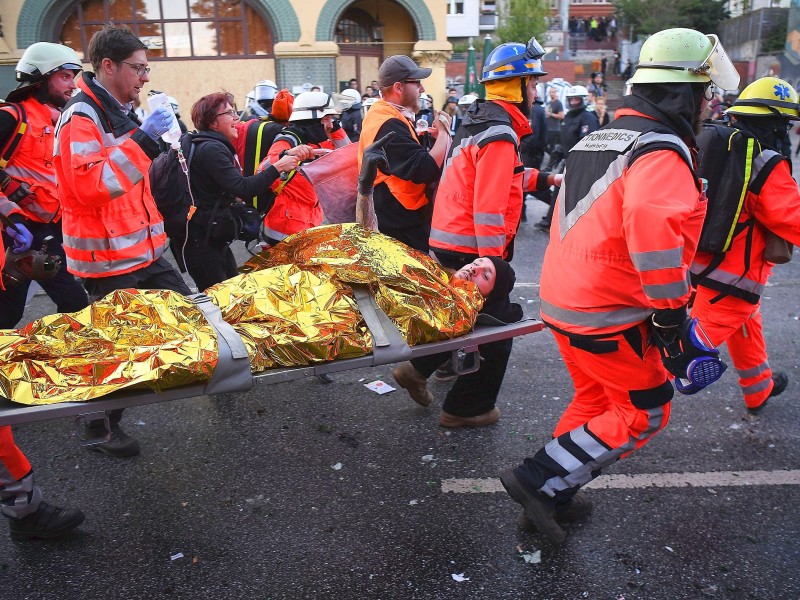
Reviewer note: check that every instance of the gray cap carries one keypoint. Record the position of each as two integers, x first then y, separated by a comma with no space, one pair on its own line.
399,67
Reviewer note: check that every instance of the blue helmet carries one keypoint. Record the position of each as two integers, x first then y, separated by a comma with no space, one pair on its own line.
514,60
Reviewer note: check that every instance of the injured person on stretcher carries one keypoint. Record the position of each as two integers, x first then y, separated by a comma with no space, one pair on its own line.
334,292
293,305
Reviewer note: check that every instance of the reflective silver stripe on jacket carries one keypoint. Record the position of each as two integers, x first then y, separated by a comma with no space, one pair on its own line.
596,320
275,235
106,266
468,241
109,139
667,291
579,472
24,173
480,138
123,242
85,148
119,158
613,172
654,260
737,281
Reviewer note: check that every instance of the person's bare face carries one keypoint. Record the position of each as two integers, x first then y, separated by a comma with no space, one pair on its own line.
60,86
481,272
411,89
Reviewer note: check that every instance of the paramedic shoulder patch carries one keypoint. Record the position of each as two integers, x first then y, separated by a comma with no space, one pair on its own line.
616,140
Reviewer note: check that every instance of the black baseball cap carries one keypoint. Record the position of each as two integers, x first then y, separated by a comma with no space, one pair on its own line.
398,68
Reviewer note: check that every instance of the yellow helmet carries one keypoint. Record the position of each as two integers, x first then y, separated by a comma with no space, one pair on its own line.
767,97
682,55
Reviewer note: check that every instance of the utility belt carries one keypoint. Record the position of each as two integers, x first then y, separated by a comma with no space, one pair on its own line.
600,343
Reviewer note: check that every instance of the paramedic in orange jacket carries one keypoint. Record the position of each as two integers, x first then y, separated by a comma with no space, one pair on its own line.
46,73
728,297
20,499
480,196
113,233
314,130
628,218
401,202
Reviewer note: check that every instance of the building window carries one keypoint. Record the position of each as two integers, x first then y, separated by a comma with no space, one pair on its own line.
455,7
356,26
175,28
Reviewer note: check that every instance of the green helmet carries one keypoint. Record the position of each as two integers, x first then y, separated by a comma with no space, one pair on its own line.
685,56
40,60
767,97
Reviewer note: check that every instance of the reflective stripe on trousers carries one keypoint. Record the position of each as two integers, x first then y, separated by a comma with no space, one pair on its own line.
622,398
19,496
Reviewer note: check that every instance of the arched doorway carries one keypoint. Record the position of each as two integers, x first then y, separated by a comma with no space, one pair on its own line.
359,37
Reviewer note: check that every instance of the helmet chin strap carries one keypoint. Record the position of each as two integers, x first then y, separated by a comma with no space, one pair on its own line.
524,106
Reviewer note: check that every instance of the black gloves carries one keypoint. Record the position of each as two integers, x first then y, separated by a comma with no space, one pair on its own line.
685,351
13,189
374,158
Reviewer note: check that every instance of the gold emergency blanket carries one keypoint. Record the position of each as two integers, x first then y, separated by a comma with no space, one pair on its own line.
292,306
130,337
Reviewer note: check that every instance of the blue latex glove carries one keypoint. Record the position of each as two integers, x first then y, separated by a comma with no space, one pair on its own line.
157,122
23,239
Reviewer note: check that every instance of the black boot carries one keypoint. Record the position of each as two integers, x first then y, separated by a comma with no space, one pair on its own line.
47,522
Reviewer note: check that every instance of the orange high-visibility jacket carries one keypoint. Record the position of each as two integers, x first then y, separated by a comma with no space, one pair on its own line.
479,200
296,206
32,162
775,208
110,220
411,195
624,232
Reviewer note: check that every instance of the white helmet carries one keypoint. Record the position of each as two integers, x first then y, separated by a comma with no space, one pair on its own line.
313,105
366,104
424,101
467,99
41,60
577,91
349,98
265,90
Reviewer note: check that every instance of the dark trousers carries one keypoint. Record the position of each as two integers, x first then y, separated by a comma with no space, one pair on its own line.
158,275
63,289
474,393
209,262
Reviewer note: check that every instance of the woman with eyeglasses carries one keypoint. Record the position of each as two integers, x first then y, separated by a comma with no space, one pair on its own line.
217,184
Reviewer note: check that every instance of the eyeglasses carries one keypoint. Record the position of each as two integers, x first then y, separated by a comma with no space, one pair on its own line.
413,81
230,113
140,69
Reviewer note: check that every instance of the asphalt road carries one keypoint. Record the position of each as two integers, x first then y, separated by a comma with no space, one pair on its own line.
308,490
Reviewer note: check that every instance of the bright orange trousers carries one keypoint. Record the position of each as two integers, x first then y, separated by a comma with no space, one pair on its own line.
738,323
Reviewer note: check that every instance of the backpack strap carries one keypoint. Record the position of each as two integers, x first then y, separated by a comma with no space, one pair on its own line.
19,131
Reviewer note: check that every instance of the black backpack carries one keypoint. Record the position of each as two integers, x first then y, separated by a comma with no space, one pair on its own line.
170,187
725,162
726,159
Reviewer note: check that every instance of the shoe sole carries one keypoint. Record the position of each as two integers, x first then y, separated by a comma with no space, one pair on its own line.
532,507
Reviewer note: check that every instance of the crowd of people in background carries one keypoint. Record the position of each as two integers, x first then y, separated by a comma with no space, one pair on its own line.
453,185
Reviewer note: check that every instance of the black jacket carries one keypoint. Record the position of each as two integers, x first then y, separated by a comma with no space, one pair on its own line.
576,125
217,181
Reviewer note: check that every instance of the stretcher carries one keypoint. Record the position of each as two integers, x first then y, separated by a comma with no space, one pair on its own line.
232,373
